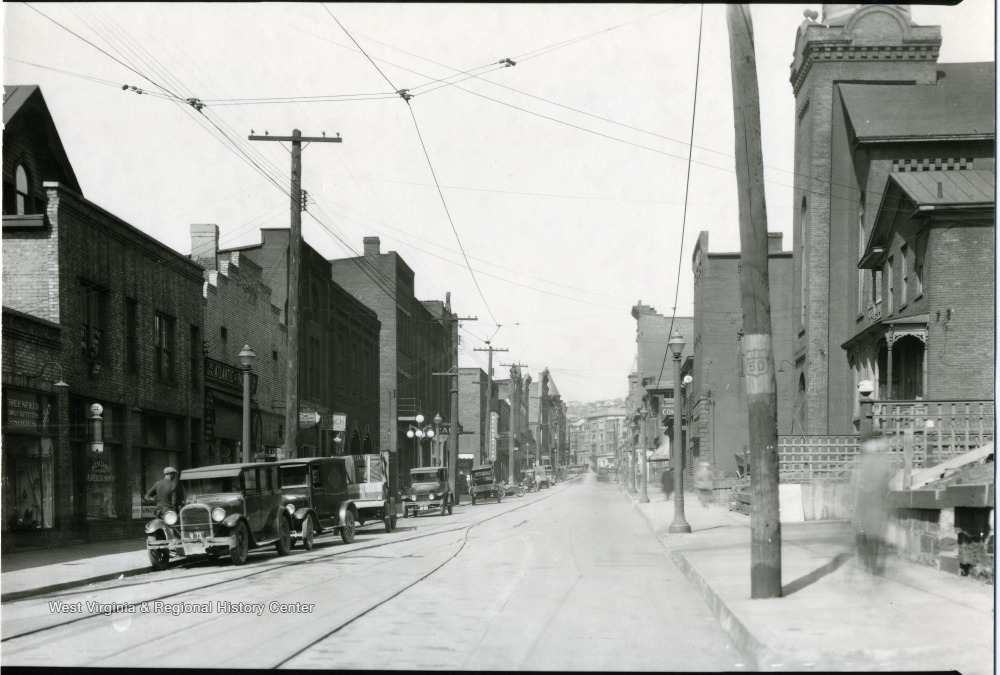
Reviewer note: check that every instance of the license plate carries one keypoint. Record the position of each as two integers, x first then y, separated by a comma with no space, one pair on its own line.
423,507
194,548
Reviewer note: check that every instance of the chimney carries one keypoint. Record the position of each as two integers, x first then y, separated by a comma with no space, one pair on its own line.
774,242
205,245
372,246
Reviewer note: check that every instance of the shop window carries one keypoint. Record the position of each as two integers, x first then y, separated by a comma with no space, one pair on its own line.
164,341
28,482
92,321
101,480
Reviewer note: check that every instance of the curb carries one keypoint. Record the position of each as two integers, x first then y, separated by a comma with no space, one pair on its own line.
42,590
748,645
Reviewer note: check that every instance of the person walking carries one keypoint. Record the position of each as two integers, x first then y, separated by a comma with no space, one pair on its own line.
667,481
870,513
703,483
166,493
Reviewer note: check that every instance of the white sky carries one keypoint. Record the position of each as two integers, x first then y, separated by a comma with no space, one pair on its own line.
565,227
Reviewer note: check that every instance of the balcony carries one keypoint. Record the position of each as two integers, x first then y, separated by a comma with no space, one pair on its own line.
942,429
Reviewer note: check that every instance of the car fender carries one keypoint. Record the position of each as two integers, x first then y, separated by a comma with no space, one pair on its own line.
231,520
345,507
158,525
300,516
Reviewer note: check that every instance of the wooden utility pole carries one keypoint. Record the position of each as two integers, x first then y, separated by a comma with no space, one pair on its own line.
453,372
294,255
489,386
758,358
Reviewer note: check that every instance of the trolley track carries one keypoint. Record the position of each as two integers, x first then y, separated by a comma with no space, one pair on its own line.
326,557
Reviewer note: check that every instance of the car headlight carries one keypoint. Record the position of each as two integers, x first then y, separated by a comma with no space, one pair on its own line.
291,508
430,496
218,514
170,518
413,497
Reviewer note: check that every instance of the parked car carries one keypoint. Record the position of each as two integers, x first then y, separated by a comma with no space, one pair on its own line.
428,491
315,493
550,472
529,479
369,489
483,484
229,509
543,477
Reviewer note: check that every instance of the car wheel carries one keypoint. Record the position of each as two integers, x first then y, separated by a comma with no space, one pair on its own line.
499,496
406,511
347,531
159,558
309,533
394,520
520,491
444,507
451,501
240,547
387,519
284,543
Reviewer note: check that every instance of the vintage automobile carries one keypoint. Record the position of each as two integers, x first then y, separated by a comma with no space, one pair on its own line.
315,493
369,489
428,491
529,480
228,509
483,484
550,472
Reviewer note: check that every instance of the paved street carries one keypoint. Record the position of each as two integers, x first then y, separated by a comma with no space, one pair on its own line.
568,578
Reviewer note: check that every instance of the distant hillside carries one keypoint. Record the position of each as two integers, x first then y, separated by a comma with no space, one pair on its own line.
576,409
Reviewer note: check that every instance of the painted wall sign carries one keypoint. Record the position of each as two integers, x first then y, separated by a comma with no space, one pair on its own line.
218,372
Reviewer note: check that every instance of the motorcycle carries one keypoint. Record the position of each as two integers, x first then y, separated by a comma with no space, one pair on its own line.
512,489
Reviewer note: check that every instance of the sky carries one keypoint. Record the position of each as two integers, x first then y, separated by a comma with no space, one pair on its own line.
547,196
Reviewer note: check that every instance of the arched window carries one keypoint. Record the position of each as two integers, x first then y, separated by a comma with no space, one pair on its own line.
22,188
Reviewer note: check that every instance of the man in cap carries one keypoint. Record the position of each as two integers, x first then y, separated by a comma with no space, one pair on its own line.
166,493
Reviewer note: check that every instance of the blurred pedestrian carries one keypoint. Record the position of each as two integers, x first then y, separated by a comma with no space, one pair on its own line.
870,512
703,483
667,481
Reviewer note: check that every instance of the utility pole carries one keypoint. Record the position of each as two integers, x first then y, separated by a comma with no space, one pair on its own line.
294,255
765,526
542,396
453,372
489,387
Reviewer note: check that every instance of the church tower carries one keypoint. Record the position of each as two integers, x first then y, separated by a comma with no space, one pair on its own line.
850,44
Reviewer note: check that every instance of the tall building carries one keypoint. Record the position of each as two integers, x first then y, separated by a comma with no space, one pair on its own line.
417,340
339,349
102,367
717,418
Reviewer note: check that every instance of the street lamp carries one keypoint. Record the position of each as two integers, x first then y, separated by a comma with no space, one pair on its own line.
416,433
643,415
58,383
676,345
246,358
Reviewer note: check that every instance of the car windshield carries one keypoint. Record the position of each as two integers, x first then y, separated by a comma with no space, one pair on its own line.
486,477
424,477
211,486
295,476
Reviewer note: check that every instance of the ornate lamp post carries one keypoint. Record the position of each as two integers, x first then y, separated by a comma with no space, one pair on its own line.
676,345
643,415
246,358
416,433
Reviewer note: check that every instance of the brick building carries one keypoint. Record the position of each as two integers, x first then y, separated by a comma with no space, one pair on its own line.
716,399
653,382
475,445
417,339
339,350
114,314
512,391
874,109
548,429
238,312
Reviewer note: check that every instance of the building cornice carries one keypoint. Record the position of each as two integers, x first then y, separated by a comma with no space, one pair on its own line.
844,51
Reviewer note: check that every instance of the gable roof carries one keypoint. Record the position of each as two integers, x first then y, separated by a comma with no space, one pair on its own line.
961,104
965,187
27,100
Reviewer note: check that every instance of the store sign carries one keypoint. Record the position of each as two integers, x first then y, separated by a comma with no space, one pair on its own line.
494,426
100,472
26,411
217,372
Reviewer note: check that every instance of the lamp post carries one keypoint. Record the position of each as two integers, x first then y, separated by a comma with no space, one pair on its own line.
676,345
416,433
246,358
643,414
865,390
58,383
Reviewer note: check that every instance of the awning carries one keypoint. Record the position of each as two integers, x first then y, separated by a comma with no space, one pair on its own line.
662,452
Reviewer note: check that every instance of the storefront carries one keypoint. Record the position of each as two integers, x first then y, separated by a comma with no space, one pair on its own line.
29,444
224,418
97,436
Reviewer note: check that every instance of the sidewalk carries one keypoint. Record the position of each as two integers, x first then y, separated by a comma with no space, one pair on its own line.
31,572
832,614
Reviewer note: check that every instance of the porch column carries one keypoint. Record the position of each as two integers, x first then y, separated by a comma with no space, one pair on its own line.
890,337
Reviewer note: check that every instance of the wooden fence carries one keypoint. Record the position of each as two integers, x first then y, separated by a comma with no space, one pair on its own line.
941,429
805,459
